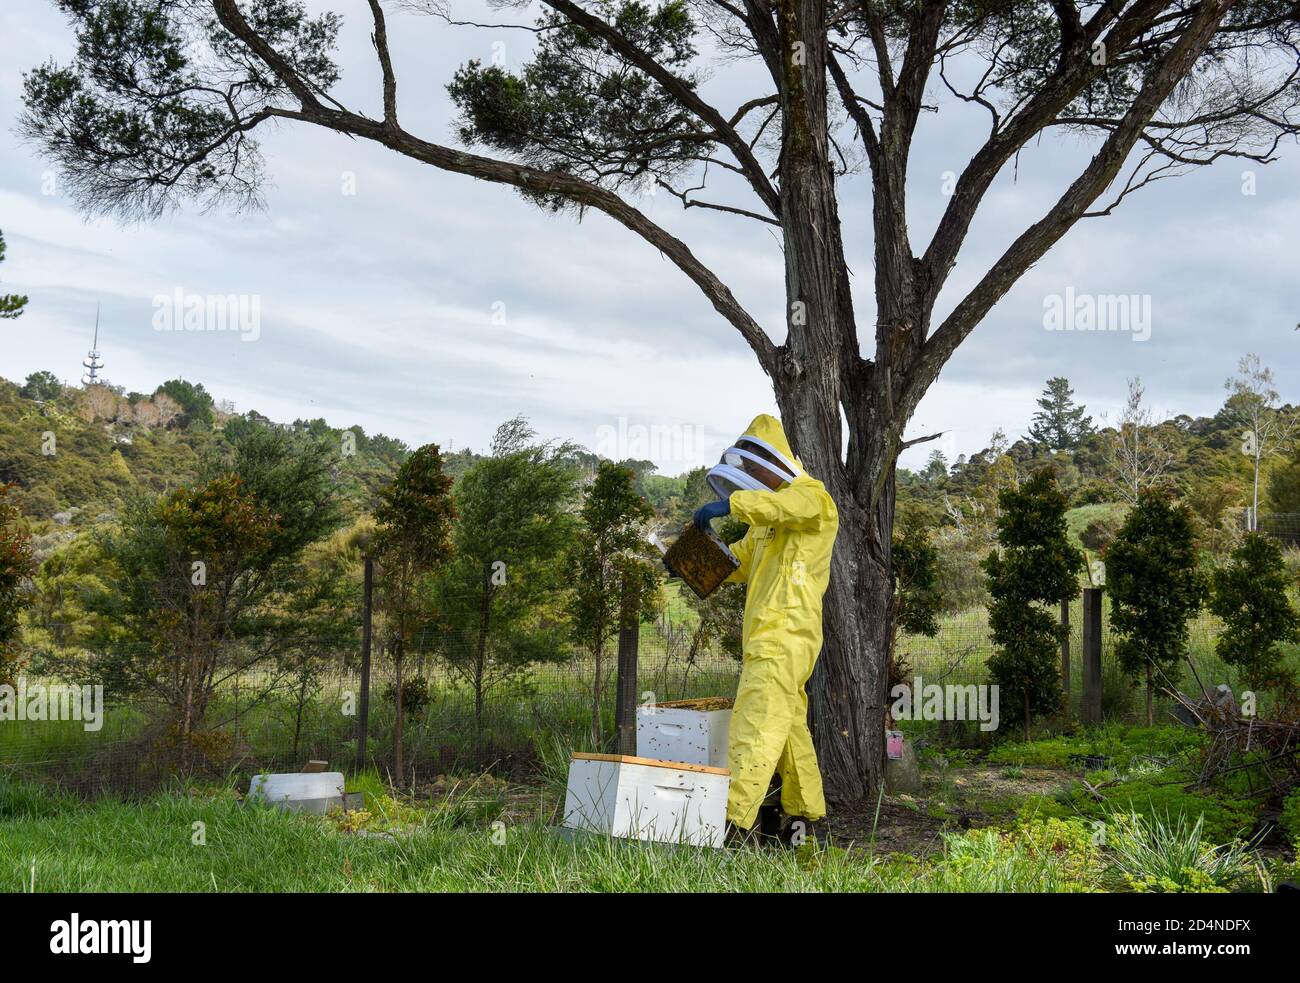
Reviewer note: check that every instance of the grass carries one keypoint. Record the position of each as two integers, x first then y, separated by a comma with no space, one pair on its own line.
203,840
1159,854
479,834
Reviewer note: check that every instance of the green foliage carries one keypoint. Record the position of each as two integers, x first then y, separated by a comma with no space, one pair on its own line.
415,513
1290,818
915,568
412,542
195,403
613,584
41,385
415,697
1155,587
98,462
1249,594
1059,424
1035,565
211,576
1039,854
1160,794
140,119
16,566
11,305
1283,489
1163,854
1115,746
579,106
500,596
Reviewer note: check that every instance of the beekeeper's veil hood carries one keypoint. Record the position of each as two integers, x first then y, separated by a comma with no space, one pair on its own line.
760,460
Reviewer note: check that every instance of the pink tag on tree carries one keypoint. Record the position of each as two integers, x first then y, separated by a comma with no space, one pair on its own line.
894,744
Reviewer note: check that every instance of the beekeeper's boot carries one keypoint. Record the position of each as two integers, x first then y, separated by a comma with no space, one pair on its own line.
771,820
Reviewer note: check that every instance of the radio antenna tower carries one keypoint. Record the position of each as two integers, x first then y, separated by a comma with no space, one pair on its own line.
93,362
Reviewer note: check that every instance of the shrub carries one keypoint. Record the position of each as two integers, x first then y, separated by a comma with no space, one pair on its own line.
1115,746
1250,595
1155,588
416,696
1034,567
1290,818
1155,853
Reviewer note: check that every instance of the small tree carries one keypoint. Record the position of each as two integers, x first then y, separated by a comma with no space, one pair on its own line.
1059,424
16,566
1253,402
195,402
41,385
1250,594
205,582
917,597
501,596
609,570
413,540
11,305
1155,587
1137,453
1033,570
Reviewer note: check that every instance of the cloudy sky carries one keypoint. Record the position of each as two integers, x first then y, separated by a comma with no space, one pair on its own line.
432,307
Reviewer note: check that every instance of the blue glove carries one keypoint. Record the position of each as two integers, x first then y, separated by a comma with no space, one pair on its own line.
714,510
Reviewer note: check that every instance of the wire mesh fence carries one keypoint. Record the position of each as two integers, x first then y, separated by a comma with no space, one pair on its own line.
494,715
510,719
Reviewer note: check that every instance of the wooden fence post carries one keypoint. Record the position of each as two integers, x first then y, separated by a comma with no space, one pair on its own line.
1091,655
629,637
363,714
1065,659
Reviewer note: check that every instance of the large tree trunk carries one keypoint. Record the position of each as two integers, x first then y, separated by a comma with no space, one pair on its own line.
820,375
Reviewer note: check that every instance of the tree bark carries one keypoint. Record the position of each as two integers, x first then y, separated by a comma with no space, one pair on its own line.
819,372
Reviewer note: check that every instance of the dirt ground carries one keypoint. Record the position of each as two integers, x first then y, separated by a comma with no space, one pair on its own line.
950,800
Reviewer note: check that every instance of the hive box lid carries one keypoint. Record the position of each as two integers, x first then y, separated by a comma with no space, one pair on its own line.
629,759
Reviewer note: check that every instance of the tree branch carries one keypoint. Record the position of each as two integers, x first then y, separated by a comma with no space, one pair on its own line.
686,96
526,178
380,39
1101,171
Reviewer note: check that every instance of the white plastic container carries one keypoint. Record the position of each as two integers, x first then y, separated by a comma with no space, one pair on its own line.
676,732
640,799
305,791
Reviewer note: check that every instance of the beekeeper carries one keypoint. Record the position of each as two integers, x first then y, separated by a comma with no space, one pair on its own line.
785,560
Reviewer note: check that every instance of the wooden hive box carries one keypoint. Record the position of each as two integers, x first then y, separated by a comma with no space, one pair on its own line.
639,799
690,731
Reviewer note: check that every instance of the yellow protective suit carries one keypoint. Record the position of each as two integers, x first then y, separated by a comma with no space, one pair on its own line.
785,559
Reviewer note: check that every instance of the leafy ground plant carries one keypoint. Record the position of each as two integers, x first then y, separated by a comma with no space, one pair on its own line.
1172,855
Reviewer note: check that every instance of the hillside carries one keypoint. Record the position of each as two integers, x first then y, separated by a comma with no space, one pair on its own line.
76,454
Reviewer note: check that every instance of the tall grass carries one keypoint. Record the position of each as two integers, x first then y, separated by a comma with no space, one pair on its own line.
153,846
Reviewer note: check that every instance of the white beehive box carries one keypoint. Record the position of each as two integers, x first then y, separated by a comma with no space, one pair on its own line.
640,799
681,732
314,792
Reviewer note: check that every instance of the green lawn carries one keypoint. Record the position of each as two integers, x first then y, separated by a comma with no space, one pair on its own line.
110,846
480,833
